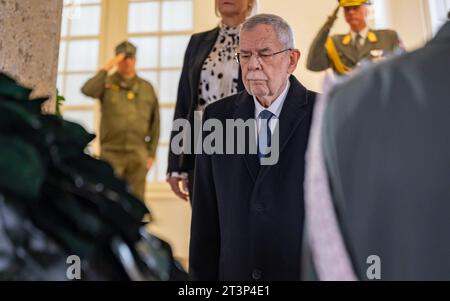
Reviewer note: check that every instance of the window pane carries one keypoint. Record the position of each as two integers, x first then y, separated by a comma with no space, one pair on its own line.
177,15
89,1
151,175
147,52
83,55
88,22
76,2
62,55
166,125
150,76
60,84
64,23
72,92
143,17
162,154
84,118
172,50
169,86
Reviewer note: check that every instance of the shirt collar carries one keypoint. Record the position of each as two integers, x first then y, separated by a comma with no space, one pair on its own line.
276,106
363,33
226,30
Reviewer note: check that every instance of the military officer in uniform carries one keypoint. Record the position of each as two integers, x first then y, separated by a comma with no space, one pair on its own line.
129,128
344,52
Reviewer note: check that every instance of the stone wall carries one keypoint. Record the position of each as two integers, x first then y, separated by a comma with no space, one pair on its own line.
29,44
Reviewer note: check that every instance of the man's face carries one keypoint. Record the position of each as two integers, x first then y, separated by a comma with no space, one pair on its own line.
265,77
356,15
232,7
127,65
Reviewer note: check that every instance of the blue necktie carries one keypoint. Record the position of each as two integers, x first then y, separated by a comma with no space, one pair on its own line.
264,134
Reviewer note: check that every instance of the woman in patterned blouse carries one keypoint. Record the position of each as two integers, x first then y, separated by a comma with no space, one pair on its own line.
209,73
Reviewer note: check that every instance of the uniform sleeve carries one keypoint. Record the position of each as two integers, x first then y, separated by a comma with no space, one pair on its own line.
95,86
154,128
317,57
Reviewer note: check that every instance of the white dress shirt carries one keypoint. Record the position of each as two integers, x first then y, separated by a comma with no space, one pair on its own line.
275,109
363,33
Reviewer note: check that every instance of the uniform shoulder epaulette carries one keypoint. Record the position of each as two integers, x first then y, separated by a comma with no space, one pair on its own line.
372,36
347,39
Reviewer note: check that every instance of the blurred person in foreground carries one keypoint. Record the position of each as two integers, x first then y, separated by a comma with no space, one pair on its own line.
376,188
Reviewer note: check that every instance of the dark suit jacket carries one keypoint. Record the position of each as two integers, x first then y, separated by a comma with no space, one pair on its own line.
247,220
387,148
197,51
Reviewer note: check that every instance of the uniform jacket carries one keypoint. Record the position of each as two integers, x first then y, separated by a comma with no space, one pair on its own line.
130,113
319,57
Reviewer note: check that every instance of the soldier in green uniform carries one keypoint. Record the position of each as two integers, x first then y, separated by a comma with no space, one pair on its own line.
129,128
344,52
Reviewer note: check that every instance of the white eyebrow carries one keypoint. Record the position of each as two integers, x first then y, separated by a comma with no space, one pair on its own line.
258,51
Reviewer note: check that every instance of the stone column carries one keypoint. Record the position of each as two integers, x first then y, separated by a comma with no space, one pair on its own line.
29,44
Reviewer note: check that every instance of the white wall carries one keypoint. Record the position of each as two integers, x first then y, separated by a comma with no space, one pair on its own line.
408,17
438,13
411,19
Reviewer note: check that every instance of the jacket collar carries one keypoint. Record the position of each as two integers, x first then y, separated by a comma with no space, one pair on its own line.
292,115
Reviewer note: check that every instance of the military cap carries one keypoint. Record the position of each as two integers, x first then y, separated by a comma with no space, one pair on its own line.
347,3
126,48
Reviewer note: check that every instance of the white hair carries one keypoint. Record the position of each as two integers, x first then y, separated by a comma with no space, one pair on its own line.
282,28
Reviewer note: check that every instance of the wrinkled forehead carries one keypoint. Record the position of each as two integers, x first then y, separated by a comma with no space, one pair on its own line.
259,38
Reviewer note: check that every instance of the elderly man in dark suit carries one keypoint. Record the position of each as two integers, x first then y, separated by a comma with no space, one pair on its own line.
247,217
386,146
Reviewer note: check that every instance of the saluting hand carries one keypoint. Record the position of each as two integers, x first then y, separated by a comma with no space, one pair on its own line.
114,62
150,161
333,17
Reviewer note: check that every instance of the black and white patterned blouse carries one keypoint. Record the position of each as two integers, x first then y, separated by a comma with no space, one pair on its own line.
220,72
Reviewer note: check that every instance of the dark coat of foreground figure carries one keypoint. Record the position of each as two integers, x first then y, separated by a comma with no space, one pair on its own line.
387,144
247,219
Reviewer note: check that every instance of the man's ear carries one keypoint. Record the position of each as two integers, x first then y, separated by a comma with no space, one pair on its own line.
294,57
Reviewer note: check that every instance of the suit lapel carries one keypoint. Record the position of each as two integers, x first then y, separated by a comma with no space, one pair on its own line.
368,46
201,53
245,110
349,52
292,115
